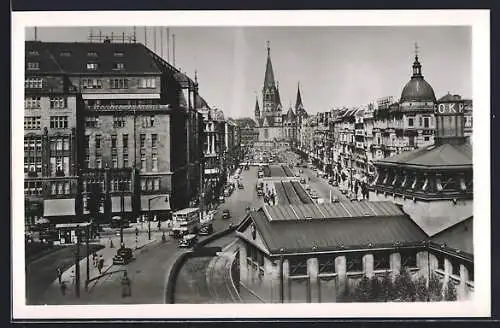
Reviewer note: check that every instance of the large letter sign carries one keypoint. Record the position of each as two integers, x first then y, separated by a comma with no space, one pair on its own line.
453,108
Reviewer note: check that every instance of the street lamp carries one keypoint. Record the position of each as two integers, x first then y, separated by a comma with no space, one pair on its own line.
149,213
282,285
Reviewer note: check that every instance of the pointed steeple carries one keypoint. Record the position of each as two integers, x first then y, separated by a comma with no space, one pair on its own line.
278,98
269,77
257,108
298,103
417,67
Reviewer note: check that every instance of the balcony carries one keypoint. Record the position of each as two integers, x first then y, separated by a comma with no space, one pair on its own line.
114,108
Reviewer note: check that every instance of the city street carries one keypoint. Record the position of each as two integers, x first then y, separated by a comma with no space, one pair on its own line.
148,273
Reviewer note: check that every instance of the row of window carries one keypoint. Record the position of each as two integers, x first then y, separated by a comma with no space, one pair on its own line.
34,144
117,83
94,122
56,122
33,83
425,120
124,144
55,102
34,188
150,184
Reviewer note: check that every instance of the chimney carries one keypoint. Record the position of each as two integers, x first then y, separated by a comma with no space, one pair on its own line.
168,45
173,48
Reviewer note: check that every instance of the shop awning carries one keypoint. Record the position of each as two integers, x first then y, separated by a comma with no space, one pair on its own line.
159,203
72,225
59,207
116,204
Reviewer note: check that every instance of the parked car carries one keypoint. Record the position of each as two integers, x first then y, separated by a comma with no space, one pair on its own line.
302,180
226,214
188,241
221,199
240,186
207,230
123,256
314,195
301,171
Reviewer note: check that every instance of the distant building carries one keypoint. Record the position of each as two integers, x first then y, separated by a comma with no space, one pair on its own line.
274,126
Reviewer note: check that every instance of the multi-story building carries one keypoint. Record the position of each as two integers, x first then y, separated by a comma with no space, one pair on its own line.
434,186
387,128
139,144
52,122
274,126
313,254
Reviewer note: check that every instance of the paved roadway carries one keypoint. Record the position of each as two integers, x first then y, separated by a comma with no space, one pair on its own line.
148,273
316,183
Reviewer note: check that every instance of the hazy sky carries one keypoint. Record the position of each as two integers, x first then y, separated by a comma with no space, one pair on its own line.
336,66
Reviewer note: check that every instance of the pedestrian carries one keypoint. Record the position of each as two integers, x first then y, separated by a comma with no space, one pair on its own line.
94,259
126,290
356,189
73,277
59,274
100,265
63,288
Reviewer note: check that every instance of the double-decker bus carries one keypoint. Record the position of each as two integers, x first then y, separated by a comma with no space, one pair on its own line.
186,221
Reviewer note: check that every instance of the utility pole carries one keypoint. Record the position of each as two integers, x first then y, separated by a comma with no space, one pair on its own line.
88,260
77,262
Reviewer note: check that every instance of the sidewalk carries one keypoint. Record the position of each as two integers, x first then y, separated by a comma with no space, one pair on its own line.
54,295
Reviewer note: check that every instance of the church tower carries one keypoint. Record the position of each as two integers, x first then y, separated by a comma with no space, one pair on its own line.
270,96
257,110
299,107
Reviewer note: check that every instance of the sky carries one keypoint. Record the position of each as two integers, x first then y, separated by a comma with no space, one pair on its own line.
336,66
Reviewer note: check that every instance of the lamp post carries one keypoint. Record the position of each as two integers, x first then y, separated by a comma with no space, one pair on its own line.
149,213
88,255
77,262
282,285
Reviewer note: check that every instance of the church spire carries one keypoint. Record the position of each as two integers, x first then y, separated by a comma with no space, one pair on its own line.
257,108
269,77
298,103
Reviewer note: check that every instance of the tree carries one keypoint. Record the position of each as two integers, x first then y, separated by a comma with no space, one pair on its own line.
450,293
387,291
375,289
435,288
421,289
405,287
362,292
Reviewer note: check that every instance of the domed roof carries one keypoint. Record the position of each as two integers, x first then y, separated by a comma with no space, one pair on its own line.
417,89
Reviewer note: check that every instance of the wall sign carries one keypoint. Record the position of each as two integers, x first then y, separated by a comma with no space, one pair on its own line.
452,108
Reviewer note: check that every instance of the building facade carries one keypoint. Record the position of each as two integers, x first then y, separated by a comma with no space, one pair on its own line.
274,126
319,253
139,141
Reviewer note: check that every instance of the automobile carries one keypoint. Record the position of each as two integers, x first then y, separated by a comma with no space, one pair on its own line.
314,195
226,214
206,230
335,183
240,186
335,200
302,180
308,188
331,181
297,174
227,192
236,176
247,209
301,171
260,192
188,241
123,256
221,199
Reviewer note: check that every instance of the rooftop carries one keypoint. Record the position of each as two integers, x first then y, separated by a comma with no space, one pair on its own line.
73,57
445,156
335,230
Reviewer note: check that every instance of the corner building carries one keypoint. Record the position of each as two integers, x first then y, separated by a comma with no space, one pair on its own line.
139,141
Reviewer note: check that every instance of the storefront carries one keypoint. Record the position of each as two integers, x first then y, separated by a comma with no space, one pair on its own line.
156,207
